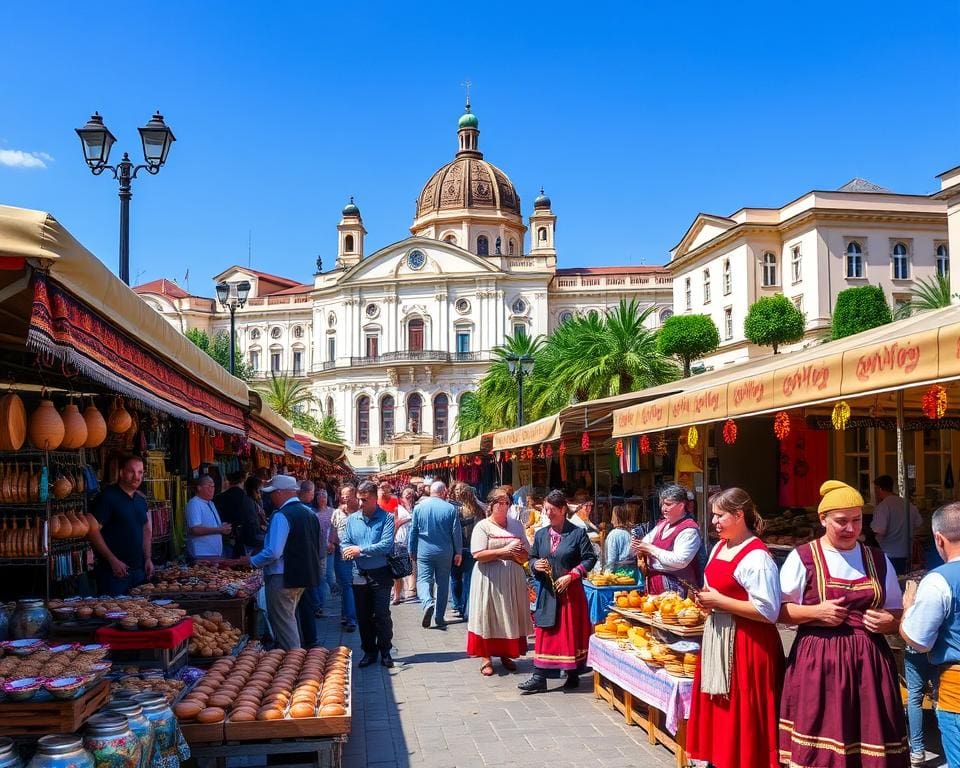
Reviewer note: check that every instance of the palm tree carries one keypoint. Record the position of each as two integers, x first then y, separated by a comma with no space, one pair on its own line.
598,356
469,416
926,294
496,395
329,430
286,395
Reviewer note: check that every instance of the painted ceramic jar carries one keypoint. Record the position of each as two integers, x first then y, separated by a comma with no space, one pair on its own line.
30,619
9,754
139,724
158,712
111,742
61,751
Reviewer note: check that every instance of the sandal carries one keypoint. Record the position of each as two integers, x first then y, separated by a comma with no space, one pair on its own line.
487,670
508,664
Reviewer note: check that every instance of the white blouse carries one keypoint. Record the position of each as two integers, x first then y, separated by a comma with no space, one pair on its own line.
842,564
757,574
685,548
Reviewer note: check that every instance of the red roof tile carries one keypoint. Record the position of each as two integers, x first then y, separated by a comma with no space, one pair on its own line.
164,287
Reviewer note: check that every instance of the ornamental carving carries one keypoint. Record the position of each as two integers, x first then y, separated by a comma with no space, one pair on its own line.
481,185
418,309
451,195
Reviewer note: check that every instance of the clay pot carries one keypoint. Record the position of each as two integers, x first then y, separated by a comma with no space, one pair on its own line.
55,527
75,428
46,428
119,420
62,487
13,422
96,427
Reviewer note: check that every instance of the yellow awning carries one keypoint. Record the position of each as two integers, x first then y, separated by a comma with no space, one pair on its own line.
541,431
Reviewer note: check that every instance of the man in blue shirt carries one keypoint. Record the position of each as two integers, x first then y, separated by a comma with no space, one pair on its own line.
367,540
435,541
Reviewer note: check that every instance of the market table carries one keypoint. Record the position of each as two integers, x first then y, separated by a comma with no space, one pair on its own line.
599,599
644,695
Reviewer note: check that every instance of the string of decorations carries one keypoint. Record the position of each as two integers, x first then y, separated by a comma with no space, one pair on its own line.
693,437
841,415
661,448
729,432
781,425
934,402
585,441
619,448
644,445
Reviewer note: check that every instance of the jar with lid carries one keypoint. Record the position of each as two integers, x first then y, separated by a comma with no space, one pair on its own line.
139,724
111,742
30,619
61,751
158,712
9,754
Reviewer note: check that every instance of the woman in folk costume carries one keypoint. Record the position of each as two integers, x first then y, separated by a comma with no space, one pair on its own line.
841,705
672,549
733,717
559,559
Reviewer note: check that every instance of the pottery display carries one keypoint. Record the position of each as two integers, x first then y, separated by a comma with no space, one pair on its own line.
61,751
30,619
109,738
119,419
158,712
9,754
139,724
46,428
13,422
74,428
96,426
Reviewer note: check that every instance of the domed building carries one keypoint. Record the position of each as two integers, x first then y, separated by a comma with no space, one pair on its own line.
390,341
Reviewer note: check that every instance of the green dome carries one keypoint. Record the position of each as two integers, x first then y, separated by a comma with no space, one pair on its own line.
468,120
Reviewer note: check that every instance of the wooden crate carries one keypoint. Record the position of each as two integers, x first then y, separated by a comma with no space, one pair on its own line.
28,718
202,733
653,620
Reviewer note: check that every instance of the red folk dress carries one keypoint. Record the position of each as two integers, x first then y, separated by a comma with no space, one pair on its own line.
740,730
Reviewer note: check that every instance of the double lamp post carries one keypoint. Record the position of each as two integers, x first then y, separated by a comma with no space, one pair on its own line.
520,366
232,296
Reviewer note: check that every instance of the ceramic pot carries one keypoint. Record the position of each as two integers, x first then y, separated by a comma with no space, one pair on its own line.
13,422
158,712
4,621
74,428
30,619
61,751
46,427
9,754
142,728
96,427
119,420
112,743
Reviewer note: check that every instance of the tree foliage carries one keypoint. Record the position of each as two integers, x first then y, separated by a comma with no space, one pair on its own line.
774,320
325,428
925,295
688,337
285,394
859,309
219,349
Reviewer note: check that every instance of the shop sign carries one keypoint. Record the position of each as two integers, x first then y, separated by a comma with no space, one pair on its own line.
541,431
643,417
816,380
697,407
949,344
898,362
750,395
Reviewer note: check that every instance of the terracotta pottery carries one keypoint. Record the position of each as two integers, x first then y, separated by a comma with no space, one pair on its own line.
119,420
13,422
62,487
33,488
96,427
75,427
46,428
55,527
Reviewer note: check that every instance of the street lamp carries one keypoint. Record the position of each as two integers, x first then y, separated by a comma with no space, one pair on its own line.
97,140
520,367
232,296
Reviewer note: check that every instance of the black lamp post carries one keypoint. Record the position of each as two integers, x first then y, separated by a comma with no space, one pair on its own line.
97,140
232,300
520,367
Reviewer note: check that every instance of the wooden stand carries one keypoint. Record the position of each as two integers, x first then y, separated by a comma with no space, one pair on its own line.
320,753
648,717
28,718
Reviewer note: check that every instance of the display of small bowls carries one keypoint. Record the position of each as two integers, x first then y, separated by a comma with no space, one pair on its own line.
65,687
100,669
22,689
163,602
24,647
62,647
100,649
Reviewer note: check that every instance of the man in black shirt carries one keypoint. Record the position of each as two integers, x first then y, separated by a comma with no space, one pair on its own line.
237,508
121,533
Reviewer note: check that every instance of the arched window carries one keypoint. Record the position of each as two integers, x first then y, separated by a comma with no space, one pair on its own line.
329,411
348,244
483,246
440,411
727,278
901,262
363,420
386,419
542,234
414,412
706,286
943,260
511,248
415,335
770,270
854,259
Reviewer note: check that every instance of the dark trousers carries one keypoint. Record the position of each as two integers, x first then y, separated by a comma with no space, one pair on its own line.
899,565
460,578
108,584
307,620
373,611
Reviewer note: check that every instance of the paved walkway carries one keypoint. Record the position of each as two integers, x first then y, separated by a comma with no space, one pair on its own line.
435,710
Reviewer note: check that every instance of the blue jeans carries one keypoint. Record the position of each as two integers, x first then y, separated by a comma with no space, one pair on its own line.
950,736
330,580
108,584
430,571
918,671
306,620
344,574
460,583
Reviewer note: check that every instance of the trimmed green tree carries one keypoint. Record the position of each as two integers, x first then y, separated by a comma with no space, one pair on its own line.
860,309
219,349
688,337
772,321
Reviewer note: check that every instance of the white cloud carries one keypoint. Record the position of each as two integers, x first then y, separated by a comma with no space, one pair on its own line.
17,158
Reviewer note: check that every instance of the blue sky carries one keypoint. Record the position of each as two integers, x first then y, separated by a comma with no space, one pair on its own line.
633,116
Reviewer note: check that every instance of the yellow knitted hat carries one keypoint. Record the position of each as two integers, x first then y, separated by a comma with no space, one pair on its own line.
838,495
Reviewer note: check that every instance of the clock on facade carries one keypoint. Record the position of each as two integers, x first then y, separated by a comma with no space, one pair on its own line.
416,259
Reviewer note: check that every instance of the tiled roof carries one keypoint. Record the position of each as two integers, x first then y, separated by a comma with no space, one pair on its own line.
164,287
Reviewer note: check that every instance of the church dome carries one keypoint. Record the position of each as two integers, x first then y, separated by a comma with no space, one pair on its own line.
350,209
468,181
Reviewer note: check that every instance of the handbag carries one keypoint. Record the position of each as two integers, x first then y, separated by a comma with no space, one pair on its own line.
399,561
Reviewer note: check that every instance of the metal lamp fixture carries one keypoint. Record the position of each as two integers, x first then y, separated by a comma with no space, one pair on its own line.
520,366
232,296
97,141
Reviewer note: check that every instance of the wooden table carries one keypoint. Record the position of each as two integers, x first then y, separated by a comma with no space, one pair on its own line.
323,753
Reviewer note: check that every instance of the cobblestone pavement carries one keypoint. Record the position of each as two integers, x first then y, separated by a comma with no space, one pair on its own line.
435,710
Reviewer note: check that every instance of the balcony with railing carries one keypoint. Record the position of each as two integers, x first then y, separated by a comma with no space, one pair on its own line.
265,373
573,283
415,356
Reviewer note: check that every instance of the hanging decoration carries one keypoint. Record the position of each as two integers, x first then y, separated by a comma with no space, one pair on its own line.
729,432
934,403
506,455
661,444
548,451
619,448
585,441
563,448
540,453
693,437
840,415
644,445
477,461
781,425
